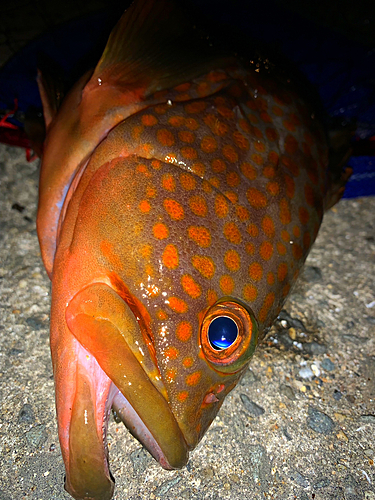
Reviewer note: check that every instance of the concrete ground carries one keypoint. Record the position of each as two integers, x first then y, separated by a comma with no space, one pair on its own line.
301,425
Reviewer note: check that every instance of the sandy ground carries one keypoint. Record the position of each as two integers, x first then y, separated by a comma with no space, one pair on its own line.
301,425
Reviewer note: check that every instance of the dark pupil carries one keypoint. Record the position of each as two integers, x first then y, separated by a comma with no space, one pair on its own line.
222,332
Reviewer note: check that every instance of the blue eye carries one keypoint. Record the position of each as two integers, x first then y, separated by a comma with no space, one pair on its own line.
222,332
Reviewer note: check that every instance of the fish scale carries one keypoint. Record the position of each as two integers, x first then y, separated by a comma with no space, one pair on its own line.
194,197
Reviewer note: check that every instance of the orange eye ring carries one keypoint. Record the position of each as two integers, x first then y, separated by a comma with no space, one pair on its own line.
234,357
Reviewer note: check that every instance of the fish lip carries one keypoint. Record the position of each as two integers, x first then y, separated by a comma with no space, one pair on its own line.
99,331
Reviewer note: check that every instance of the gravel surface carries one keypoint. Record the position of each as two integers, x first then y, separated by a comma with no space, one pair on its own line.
300,425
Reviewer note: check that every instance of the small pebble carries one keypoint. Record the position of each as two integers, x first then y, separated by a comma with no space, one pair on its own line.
37,436
299,479
315,369
312,274
251,407
306,373
287,391
369,452
314,348
337,395
327,365
319,421
26,415
321,483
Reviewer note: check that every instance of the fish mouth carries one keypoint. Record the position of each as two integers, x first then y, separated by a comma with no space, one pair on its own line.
109,373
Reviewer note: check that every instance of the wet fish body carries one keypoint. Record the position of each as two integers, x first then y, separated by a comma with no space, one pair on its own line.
168,202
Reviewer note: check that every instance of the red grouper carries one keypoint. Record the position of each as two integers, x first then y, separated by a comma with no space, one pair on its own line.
181,190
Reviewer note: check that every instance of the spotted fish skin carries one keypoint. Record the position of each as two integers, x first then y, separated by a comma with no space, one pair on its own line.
210,194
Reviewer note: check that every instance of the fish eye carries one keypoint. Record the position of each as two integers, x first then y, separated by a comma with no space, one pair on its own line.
222,332
229,334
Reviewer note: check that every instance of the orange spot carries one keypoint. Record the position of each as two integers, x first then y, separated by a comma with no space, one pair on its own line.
290,145
177,305
270,278
146,251
276,110
200,235
184,330
241,141
208,144
232,233
256,198
259,146
107,250
160,231
250,292
176,121
161,109
142,169
191,124
170,257
232,260
171,374
171,353
221,206
230,153
149,120
248,171
225,112
206,186
204,265
297,251
255,271
297,231
250,248
182,396
149,270
282,271
168,182
190,286
226,284
244,125
290,186
265,117
188,362
232,196
252,118
214,181
218,165
186,136
161,315
266,250
198,205
268,226
195,107
273,188
242,213
189,153
269,171
273,157
233,179
137,132
203,88
150,192
211,297
183,87
217,126
281,248
216,76
174,209
193,378
286,290
165,137
289,125
156,164
253,230
285,235
198,169
285,215
187,181
267,304
309,195
144,206
271,134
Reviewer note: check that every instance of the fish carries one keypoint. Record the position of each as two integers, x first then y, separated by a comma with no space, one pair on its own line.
181,189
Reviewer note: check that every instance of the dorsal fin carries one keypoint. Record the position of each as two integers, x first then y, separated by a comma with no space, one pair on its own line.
156,45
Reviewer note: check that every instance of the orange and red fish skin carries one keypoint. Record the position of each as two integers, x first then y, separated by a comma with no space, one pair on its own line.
185,234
